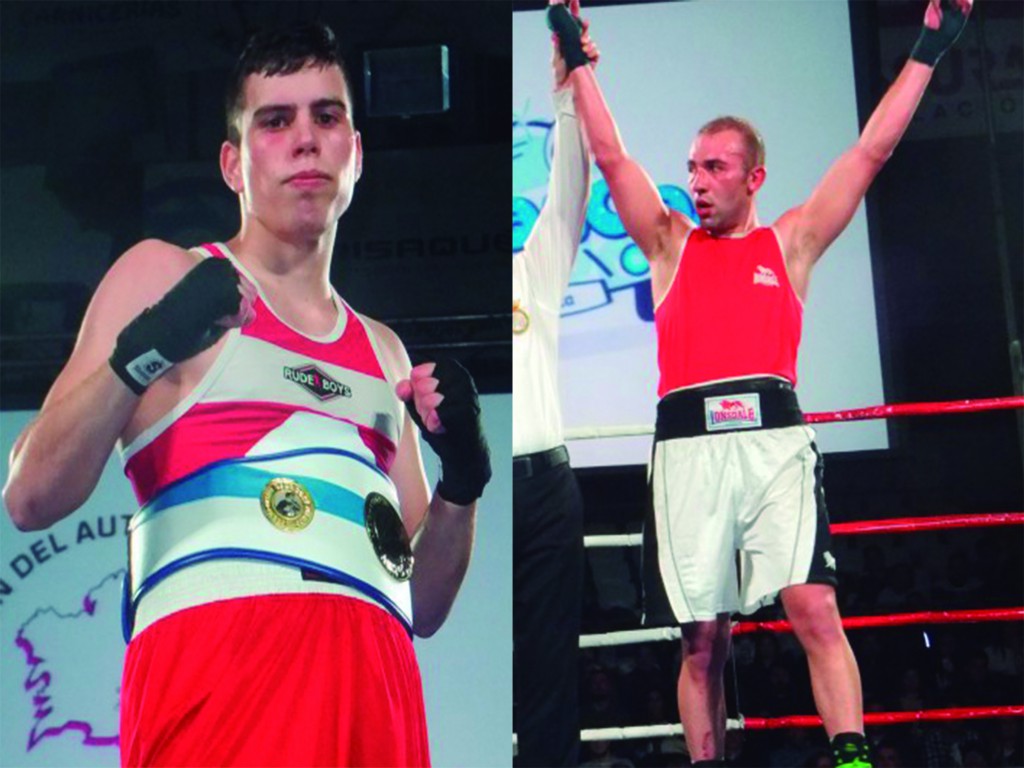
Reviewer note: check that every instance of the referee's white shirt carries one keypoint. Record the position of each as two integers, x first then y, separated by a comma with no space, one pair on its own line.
540,276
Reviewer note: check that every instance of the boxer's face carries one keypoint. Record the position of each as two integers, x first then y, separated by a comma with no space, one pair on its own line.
300,155
721,184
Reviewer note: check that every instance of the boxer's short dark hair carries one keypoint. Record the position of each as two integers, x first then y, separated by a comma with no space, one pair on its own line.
272,52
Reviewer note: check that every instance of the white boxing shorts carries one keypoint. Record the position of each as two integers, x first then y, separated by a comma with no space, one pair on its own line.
737,508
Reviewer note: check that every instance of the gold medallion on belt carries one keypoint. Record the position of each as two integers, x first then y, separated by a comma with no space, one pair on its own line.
288,505
387,533
520,320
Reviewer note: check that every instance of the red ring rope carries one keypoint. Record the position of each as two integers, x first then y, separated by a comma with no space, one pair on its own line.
915,409
887,718
894,619
892,525
939,522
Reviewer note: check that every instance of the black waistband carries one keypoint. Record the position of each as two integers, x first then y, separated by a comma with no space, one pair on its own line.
685,413
535,463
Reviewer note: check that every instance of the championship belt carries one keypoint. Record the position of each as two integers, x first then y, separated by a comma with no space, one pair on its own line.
280,509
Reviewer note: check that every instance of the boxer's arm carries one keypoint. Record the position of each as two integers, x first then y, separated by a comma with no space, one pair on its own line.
441,532
442,547
809,229
57,461
645,216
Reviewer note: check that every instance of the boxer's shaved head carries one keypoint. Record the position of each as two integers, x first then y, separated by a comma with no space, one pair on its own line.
281,52
753,143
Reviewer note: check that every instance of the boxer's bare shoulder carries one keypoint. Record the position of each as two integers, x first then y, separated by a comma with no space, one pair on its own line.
138,279
150,263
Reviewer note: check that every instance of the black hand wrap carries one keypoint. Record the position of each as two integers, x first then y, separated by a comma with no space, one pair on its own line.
462,447
932,43
178,326
568,29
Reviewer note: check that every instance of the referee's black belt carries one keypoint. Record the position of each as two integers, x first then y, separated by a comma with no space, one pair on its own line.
684,413
537,463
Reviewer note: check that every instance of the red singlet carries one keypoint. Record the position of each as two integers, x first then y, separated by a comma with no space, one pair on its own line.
730,312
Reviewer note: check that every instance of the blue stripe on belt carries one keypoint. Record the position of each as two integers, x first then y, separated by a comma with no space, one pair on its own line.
240,481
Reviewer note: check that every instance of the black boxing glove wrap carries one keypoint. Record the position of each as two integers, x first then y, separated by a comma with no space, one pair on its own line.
933,43
462,447
567,29
178,326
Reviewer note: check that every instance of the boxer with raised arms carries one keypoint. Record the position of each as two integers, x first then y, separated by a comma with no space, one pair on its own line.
735,468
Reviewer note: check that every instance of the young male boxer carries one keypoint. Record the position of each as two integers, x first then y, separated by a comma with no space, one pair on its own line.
272,588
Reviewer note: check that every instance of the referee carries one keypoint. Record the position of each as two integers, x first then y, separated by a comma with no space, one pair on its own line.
548,508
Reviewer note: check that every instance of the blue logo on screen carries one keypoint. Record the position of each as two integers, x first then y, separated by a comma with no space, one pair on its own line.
609,264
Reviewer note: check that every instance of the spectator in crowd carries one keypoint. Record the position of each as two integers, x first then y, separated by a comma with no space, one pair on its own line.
1005,744
599,754
887,755
959,587
1006,650
899,593
972,755
797,746
600,706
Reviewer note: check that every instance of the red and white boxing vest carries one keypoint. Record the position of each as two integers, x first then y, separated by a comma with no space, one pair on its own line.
276,407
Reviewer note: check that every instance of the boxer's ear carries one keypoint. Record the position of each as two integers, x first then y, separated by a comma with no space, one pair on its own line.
359,155
231,167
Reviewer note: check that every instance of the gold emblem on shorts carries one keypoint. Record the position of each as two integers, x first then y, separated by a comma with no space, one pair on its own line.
287,505
520,320
387,533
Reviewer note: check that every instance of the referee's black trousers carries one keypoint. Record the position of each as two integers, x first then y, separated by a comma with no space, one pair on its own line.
547,604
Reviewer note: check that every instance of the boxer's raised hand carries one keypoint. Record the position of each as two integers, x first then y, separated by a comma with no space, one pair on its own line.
944,20
568,30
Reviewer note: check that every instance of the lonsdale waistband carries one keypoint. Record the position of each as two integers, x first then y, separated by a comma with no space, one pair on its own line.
744,404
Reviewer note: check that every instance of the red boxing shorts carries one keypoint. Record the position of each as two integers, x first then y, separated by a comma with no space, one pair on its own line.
274,680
